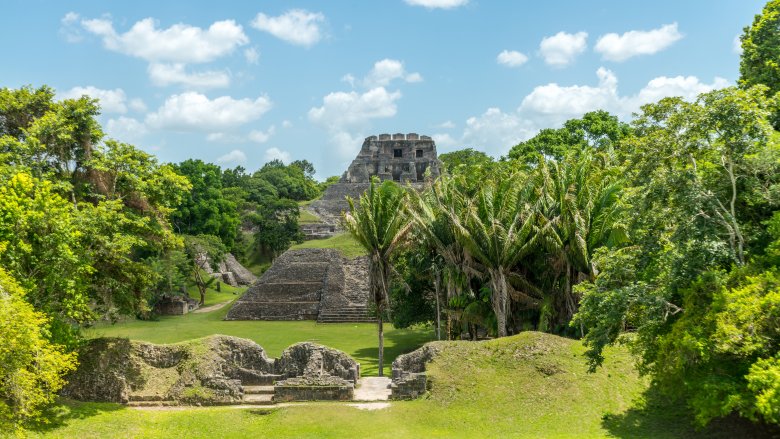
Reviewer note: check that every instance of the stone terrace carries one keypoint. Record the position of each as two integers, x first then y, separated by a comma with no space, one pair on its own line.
308,284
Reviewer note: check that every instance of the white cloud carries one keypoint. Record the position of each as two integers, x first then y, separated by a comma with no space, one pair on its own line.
297,26
180,43
437,4
137,104
511,58
385,71
126,129
234,156
619,48
111,101
736,45
560,49
192,111
277,154
175,74
349,79
258,136
446,125
444,141
344,112
344,109
546,106
251,55
287,124
68,29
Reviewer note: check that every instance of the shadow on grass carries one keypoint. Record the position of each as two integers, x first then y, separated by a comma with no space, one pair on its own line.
656,417
66,410
401,341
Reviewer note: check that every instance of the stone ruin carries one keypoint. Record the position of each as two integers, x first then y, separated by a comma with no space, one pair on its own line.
308,284
401,158
175,305
229,271
215,370
405,158
409,378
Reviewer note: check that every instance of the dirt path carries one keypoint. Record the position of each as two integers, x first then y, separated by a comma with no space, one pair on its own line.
212,307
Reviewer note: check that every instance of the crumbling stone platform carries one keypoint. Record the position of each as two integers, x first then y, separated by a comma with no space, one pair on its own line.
308,284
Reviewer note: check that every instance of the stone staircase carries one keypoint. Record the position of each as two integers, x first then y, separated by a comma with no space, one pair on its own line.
347,314
258,395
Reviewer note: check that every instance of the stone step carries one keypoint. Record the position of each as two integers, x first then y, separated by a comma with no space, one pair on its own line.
335,320
152,403
135,398
261,381
258,399
258,390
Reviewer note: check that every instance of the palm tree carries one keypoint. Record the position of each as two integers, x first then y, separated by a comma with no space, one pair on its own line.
498,230
431,212
379,225
580,203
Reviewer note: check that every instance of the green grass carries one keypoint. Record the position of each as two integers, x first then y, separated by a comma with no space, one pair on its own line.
342,242
213,297
527,386
357,339
306,217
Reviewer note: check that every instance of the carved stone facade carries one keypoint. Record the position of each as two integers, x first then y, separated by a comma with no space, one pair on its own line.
399,157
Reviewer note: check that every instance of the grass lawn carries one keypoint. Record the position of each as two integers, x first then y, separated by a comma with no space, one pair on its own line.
213,297
357,339
527,386
342,242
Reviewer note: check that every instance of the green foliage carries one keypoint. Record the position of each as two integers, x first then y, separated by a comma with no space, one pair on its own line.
466,159
760,60
596,130
206,209
698,284
31,367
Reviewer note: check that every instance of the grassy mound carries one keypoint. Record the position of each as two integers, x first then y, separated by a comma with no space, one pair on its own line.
530,385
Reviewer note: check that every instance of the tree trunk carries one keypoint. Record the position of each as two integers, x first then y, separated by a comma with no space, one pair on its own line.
381,344
499,299
437,288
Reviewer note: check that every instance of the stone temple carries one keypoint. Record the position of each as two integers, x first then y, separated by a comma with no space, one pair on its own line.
321,284
405,158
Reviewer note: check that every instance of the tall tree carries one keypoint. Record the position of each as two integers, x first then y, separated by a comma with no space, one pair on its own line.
379,224
760,61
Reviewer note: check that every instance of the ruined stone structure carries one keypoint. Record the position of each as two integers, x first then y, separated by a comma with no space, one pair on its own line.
308,284
175,305
402,158
229,271
216,370
409,378
405,158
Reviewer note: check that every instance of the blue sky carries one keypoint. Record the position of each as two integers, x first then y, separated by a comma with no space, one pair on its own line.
245,82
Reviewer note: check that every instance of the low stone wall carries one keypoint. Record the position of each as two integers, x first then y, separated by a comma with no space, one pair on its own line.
313,389
210,371
409,378
409,386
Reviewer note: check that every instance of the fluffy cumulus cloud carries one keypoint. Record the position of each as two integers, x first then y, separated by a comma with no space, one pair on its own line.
511,58
343,113
192,111
297,26
561,49
126,129
111,101
437,4
552,104
233,157
180,43
176,74
384,72
614,47
277,154
69,29
258,136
